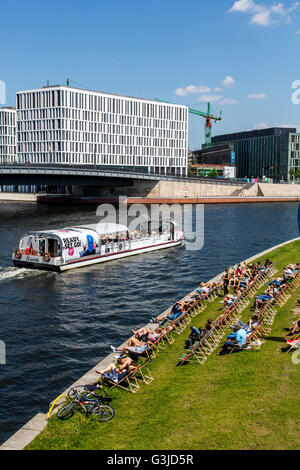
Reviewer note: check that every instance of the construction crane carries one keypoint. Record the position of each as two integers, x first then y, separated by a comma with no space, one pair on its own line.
209,117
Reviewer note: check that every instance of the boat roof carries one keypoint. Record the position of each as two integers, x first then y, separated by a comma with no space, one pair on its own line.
103,228
100,228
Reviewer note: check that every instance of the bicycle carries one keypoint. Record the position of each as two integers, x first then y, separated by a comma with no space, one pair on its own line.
85,397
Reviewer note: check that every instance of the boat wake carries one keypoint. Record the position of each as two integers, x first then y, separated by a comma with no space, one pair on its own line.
9,273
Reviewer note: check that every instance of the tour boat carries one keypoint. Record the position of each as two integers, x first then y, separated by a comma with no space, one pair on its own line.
73,247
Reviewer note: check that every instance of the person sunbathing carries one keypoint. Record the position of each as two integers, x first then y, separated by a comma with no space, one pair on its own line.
228,300
294,328
145,334
262,299
134,346
117,373
177,311
203,289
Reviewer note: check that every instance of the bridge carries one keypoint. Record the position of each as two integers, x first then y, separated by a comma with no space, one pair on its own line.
64,175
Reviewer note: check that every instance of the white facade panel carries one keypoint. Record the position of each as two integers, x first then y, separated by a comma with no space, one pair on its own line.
7,135
68,125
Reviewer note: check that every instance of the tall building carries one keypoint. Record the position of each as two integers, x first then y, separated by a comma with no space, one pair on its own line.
65,125
7,135
270,152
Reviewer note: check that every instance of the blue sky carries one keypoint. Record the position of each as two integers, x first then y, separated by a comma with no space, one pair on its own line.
241,55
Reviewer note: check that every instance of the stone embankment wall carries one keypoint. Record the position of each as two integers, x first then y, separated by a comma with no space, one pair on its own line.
185,189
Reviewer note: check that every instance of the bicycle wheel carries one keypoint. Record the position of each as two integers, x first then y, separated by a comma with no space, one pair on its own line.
67,411
103,412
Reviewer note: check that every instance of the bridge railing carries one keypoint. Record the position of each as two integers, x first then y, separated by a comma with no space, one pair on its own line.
93,170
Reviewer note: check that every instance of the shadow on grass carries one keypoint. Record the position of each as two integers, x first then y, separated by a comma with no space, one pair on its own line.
277,339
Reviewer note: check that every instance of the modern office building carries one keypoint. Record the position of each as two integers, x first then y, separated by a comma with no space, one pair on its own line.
65,125
7,135
269,153
216,155
217,161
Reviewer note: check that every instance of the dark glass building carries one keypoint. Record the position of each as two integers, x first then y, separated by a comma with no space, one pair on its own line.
271,153
216,155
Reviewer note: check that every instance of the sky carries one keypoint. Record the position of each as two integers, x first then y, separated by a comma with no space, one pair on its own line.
242,56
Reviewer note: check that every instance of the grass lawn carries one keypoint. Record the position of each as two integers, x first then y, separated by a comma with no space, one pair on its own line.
247,400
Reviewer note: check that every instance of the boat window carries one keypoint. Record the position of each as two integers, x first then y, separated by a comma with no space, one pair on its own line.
42,246
53,247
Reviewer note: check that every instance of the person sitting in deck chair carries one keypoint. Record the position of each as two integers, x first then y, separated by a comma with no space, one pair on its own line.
250,327
145,334
287,274
134,346
176,311
261,299
294,328
235,339
195,335
203,289
115,374
209,325
228,300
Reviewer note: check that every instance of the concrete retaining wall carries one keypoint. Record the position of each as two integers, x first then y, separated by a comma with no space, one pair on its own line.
185,189
18,197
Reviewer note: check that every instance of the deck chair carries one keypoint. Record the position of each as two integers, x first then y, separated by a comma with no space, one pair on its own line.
293,343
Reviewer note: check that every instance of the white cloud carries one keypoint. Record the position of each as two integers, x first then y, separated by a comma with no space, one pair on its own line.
257,96
192,89
228,101
263,18
206,98
264,15
242,5
260,125
216,99
218,89
228,81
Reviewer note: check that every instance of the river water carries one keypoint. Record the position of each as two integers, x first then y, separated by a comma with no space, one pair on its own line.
57,326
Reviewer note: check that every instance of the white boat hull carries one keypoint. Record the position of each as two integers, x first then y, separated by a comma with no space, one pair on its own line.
30,262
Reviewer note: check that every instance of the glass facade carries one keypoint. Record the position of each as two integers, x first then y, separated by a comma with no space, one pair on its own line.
269,152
